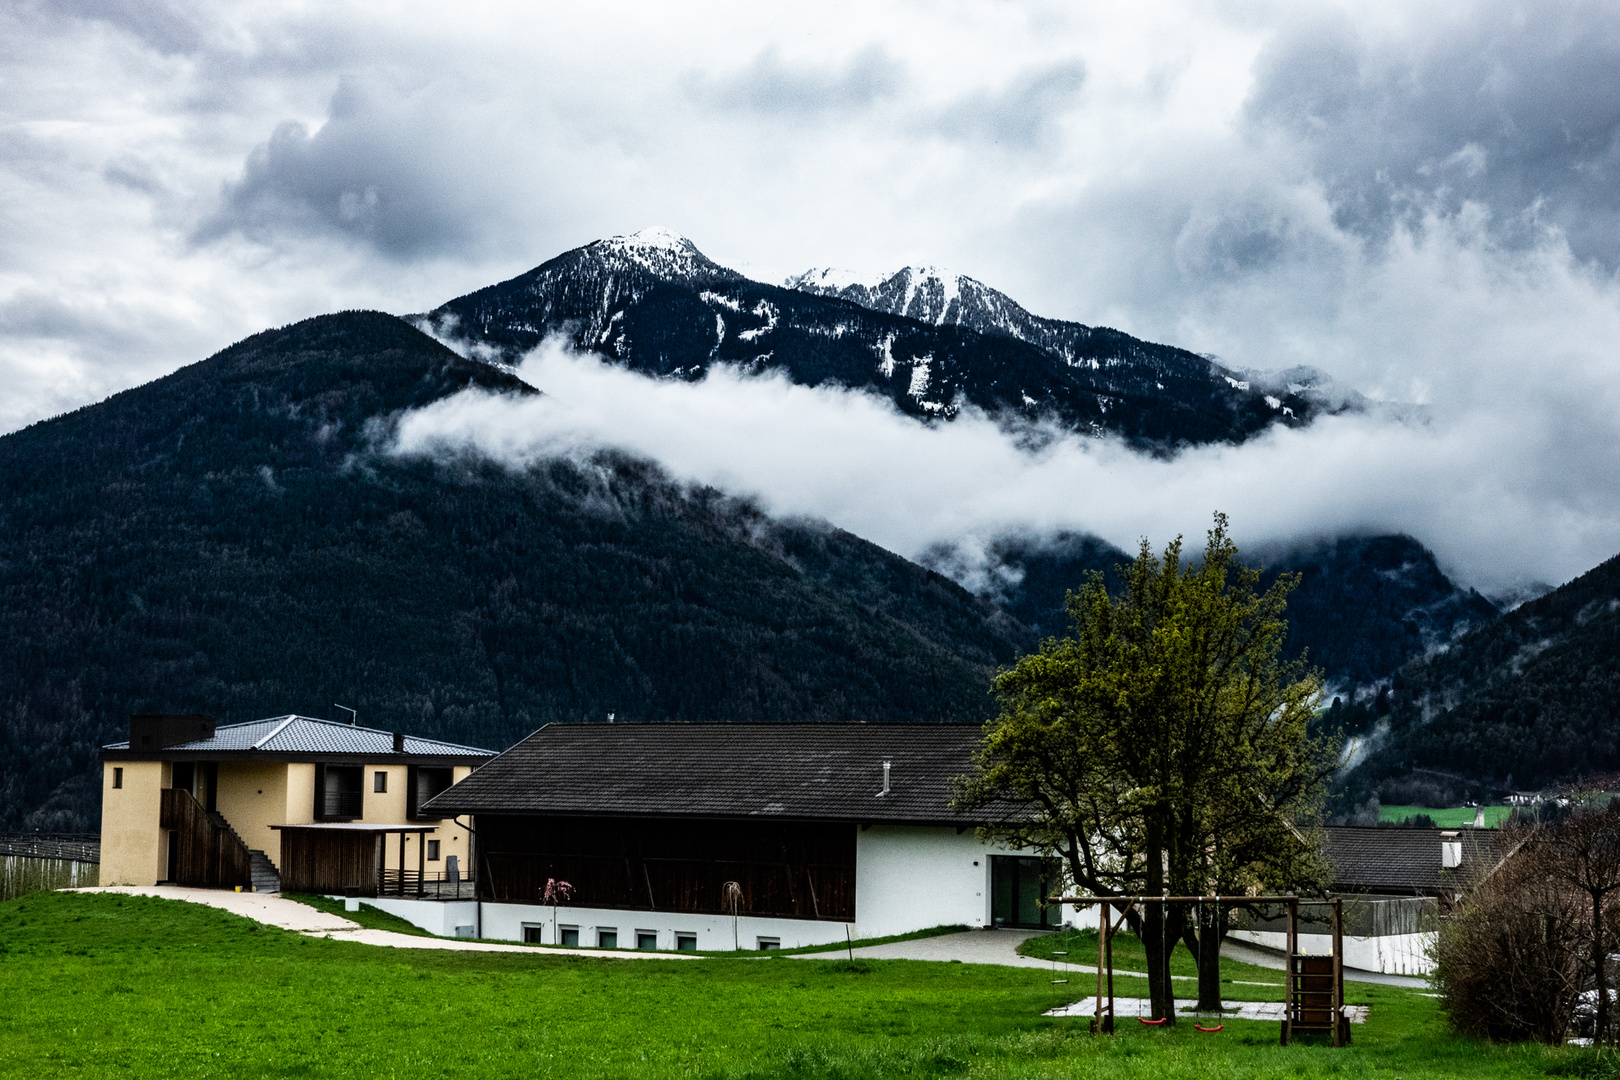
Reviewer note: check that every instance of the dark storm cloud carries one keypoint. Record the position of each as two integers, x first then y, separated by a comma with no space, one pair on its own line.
1019,113
770,84
386,169
1514,107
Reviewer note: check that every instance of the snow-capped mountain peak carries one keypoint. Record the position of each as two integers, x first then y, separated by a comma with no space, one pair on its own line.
657,249
931,294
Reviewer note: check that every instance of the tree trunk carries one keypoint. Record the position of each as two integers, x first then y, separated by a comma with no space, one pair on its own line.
1161,998
1600,1033
1209,957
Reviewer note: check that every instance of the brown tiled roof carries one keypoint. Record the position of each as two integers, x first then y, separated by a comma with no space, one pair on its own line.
1406,861
798,771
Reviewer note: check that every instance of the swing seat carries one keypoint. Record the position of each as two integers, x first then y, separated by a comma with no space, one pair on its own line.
1150,1023
1209,1031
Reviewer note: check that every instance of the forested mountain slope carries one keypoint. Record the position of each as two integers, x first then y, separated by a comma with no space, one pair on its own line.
1528,701
231,539
1365,605
654,303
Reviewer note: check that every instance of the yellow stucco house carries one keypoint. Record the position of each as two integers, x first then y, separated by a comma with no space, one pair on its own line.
290,802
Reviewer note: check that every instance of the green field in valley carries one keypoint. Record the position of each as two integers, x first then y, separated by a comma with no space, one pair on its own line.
1446,817
120,986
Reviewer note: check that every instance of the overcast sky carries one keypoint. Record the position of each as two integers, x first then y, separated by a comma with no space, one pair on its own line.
1423,199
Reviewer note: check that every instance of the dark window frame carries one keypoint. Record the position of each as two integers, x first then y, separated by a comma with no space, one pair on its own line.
118,776
422,782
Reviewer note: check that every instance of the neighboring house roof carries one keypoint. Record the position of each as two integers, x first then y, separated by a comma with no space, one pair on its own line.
302,738
1407,861
797,771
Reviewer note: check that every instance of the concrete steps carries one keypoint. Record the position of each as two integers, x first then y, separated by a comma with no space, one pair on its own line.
266,878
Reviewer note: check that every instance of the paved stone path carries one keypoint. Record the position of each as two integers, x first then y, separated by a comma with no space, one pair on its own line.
1245,1010
272,909
1001,947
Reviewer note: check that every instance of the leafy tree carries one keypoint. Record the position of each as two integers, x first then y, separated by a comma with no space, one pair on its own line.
1164,746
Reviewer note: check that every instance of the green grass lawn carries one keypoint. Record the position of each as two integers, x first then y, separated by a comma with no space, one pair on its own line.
118,986
1446,817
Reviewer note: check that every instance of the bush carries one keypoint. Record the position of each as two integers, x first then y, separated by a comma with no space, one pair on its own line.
1508,961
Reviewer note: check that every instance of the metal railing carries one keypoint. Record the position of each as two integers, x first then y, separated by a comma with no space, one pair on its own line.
425,886
340,804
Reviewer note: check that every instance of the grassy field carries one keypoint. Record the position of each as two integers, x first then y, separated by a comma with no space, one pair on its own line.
117,986
1446,817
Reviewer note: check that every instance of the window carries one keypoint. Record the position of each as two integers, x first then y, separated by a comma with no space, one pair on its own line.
686,942
607,939
118,777
422,782
532,934
379,781
568,935
433,851
337,791
770,943
646,939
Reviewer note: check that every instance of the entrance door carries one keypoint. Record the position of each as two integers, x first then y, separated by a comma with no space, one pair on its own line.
1017,886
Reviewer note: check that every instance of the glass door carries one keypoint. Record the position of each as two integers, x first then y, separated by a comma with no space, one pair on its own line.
1017,885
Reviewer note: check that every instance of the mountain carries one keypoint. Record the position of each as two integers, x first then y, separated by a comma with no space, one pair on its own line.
1529,701
1118,361
1364,605
654,303
236,539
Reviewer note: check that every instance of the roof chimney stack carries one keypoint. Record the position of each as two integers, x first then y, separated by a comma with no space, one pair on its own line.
1450,850
885,790
399,742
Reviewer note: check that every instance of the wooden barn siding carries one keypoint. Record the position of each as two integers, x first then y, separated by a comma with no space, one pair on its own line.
316,861
209,856
787,869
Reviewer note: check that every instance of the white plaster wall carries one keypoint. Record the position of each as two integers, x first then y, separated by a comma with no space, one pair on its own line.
1394,954
714,932
435,916
912,877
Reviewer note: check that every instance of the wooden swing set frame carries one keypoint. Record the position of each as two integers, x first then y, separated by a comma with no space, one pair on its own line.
1313,991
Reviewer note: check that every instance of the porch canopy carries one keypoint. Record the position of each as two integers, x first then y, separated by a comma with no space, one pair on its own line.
344,857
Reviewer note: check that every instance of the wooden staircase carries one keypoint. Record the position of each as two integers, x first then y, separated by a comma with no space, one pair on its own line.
208,852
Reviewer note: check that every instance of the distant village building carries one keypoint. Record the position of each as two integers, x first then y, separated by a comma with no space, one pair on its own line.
290,803
1396,883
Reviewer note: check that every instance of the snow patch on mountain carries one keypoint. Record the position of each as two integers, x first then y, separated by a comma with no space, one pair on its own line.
658,250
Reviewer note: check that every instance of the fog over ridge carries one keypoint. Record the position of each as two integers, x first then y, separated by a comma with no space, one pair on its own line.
850,458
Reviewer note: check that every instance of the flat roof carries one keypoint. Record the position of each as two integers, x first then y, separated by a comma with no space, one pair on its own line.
793,771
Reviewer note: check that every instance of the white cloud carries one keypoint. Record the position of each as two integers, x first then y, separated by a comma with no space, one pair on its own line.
1400,194
1478,484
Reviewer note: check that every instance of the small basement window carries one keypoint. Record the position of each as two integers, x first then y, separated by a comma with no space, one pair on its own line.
568,935
686,942
533,934
118,777
769,943
379,781
433,851
647,939
607,939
